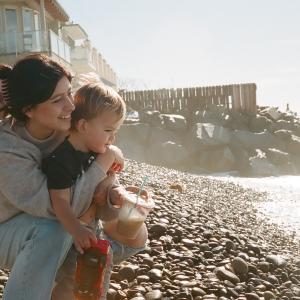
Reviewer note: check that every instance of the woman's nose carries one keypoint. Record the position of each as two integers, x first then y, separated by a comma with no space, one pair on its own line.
70,103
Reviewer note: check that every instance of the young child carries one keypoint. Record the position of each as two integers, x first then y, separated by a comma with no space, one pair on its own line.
98,114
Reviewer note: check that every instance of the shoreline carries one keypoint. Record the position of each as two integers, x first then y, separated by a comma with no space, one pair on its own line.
282,204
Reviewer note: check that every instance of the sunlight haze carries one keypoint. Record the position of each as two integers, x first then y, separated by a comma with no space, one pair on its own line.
168,43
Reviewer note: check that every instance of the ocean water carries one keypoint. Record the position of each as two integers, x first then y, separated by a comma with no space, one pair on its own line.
283,198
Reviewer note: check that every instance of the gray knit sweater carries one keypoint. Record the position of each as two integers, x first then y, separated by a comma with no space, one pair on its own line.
23,186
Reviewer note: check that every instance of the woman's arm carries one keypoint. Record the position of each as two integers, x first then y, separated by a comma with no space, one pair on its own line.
23,186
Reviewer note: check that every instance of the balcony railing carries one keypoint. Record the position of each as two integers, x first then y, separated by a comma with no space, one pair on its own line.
34,41
59,47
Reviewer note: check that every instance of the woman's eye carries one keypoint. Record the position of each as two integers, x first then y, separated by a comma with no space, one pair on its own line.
56,101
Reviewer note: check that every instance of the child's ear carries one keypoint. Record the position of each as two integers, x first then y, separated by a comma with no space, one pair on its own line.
81,126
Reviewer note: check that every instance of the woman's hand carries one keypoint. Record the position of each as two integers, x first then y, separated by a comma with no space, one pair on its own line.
118,194
134,189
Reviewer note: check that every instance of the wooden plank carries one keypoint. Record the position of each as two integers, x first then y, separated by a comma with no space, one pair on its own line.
243,102
247,98
184,98
215,99
254,105
169,102
236,98
157,97
221,95
202,99
172,99
177,101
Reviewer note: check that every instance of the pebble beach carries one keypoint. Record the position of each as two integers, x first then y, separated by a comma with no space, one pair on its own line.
206,241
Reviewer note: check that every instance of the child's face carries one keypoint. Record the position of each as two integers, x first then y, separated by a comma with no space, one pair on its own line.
101,131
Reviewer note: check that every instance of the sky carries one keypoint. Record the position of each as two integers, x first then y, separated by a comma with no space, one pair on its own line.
173,43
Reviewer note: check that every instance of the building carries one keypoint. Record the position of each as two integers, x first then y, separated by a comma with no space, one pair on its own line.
31,26
84,57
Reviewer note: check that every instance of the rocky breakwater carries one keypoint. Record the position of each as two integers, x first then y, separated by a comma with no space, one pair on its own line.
216,140
205,242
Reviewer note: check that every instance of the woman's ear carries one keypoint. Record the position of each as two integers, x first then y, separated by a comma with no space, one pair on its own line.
81,125
27,111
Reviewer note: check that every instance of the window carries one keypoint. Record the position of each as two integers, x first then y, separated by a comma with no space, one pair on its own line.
11,25
28,24
32,36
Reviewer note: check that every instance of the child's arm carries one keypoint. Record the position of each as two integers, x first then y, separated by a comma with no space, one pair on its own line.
61,205
112,159
100,194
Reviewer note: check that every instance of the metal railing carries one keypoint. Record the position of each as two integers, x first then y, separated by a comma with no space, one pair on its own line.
15,43
59,47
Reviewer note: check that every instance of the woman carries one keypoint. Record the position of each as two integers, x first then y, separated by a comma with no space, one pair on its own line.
36,117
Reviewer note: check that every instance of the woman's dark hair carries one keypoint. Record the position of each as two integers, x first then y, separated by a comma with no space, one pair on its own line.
32,80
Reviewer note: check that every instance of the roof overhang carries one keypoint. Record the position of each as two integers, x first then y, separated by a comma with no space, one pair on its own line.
75,31
55,10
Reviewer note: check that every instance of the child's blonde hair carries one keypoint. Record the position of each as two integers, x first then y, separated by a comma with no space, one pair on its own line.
92,99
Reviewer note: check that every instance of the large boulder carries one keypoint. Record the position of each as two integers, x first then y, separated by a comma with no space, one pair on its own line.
158,135
263,140
205,135
241,156
259,123
283,134
133,150
216,160
132,139
261,166
277,157
296,130
293,145
295,160
138,132
206,116
282,124
176,123
224,160
240,120
151,117
290,116
167,154
272,113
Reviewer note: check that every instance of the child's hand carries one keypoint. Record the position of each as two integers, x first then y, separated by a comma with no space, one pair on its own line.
118,164
112,159
83,237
